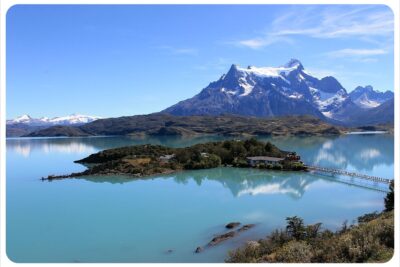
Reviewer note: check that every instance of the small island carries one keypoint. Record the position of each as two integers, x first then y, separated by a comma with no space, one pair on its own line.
146,160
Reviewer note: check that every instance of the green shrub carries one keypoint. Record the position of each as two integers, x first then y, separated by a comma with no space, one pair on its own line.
370,241
277,167
295,228
242,163
262,166
389,199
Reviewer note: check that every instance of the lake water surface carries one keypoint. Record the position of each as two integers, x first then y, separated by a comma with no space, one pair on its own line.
116,219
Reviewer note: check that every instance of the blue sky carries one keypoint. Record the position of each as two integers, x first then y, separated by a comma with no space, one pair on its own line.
125,60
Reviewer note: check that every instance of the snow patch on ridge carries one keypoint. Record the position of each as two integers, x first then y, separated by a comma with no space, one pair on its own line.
269,72
327,114
22,119
365,102
230,92
247,87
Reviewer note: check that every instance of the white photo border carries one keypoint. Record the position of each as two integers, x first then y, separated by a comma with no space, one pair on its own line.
5,5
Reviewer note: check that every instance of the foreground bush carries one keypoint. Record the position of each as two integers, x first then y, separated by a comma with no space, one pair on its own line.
372,240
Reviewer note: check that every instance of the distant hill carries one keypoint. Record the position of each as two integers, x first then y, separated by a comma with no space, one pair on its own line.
164,124
21,129
58,130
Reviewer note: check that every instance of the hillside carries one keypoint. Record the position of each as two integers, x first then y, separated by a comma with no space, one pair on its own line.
164,124
20,129
371,240
58,131
383,114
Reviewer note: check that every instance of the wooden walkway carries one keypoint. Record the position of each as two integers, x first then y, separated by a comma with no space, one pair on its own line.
347,173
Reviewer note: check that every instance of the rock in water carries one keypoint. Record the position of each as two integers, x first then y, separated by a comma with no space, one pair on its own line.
246,227
232,225
218,239
198,250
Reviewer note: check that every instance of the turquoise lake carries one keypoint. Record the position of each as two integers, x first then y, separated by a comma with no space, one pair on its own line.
116,219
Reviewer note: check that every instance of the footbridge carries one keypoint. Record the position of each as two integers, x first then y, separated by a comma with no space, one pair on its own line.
351,174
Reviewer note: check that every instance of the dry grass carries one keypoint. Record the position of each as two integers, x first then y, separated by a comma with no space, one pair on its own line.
138,161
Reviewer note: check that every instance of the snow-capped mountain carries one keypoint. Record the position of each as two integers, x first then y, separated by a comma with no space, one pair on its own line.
21,119
367,97
74,119
270,91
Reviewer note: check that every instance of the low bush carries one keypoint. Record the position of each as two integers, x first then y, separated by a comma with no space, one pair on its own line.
372,240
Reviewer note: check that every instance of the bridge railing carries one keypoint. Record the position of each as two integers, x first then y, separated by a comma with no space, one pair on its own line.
353,174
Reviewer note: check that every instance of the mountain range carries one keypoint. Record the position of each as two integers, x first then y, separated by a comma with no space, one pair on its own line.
240,95
285,90
73,119
367,97
25,124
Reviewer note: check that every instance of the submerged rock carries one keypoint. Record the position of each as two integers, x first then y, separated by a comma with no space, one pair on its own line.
219,238
198,250
232,225
246,227
225,236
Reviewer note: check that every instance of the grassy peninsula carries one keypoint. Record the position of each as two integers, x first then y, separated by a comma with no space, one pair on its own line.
145,160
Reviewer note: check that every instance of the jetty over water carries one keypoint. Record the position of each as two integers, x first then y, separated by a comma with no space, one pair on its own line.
347,173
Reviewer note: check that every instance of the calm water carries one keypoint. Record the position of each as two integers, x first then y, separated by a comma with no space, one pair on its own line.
115,219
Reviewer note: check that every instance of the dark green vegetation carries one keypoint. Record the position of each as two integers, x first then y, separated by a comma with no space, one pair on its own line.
144,160
389,199
164,124
371,240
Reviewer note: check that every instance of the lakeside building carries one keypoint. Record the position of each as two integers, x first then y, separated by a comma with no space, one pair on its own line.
253,161
166,158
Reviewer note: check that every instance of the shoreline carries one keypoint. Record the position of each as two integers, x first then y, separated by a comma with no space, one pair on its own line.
368,132
198,135
133,177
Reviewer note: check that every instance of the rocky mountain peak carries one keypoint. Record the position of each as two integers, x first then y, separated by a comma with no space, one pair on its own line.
275,91
367,97
294,63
